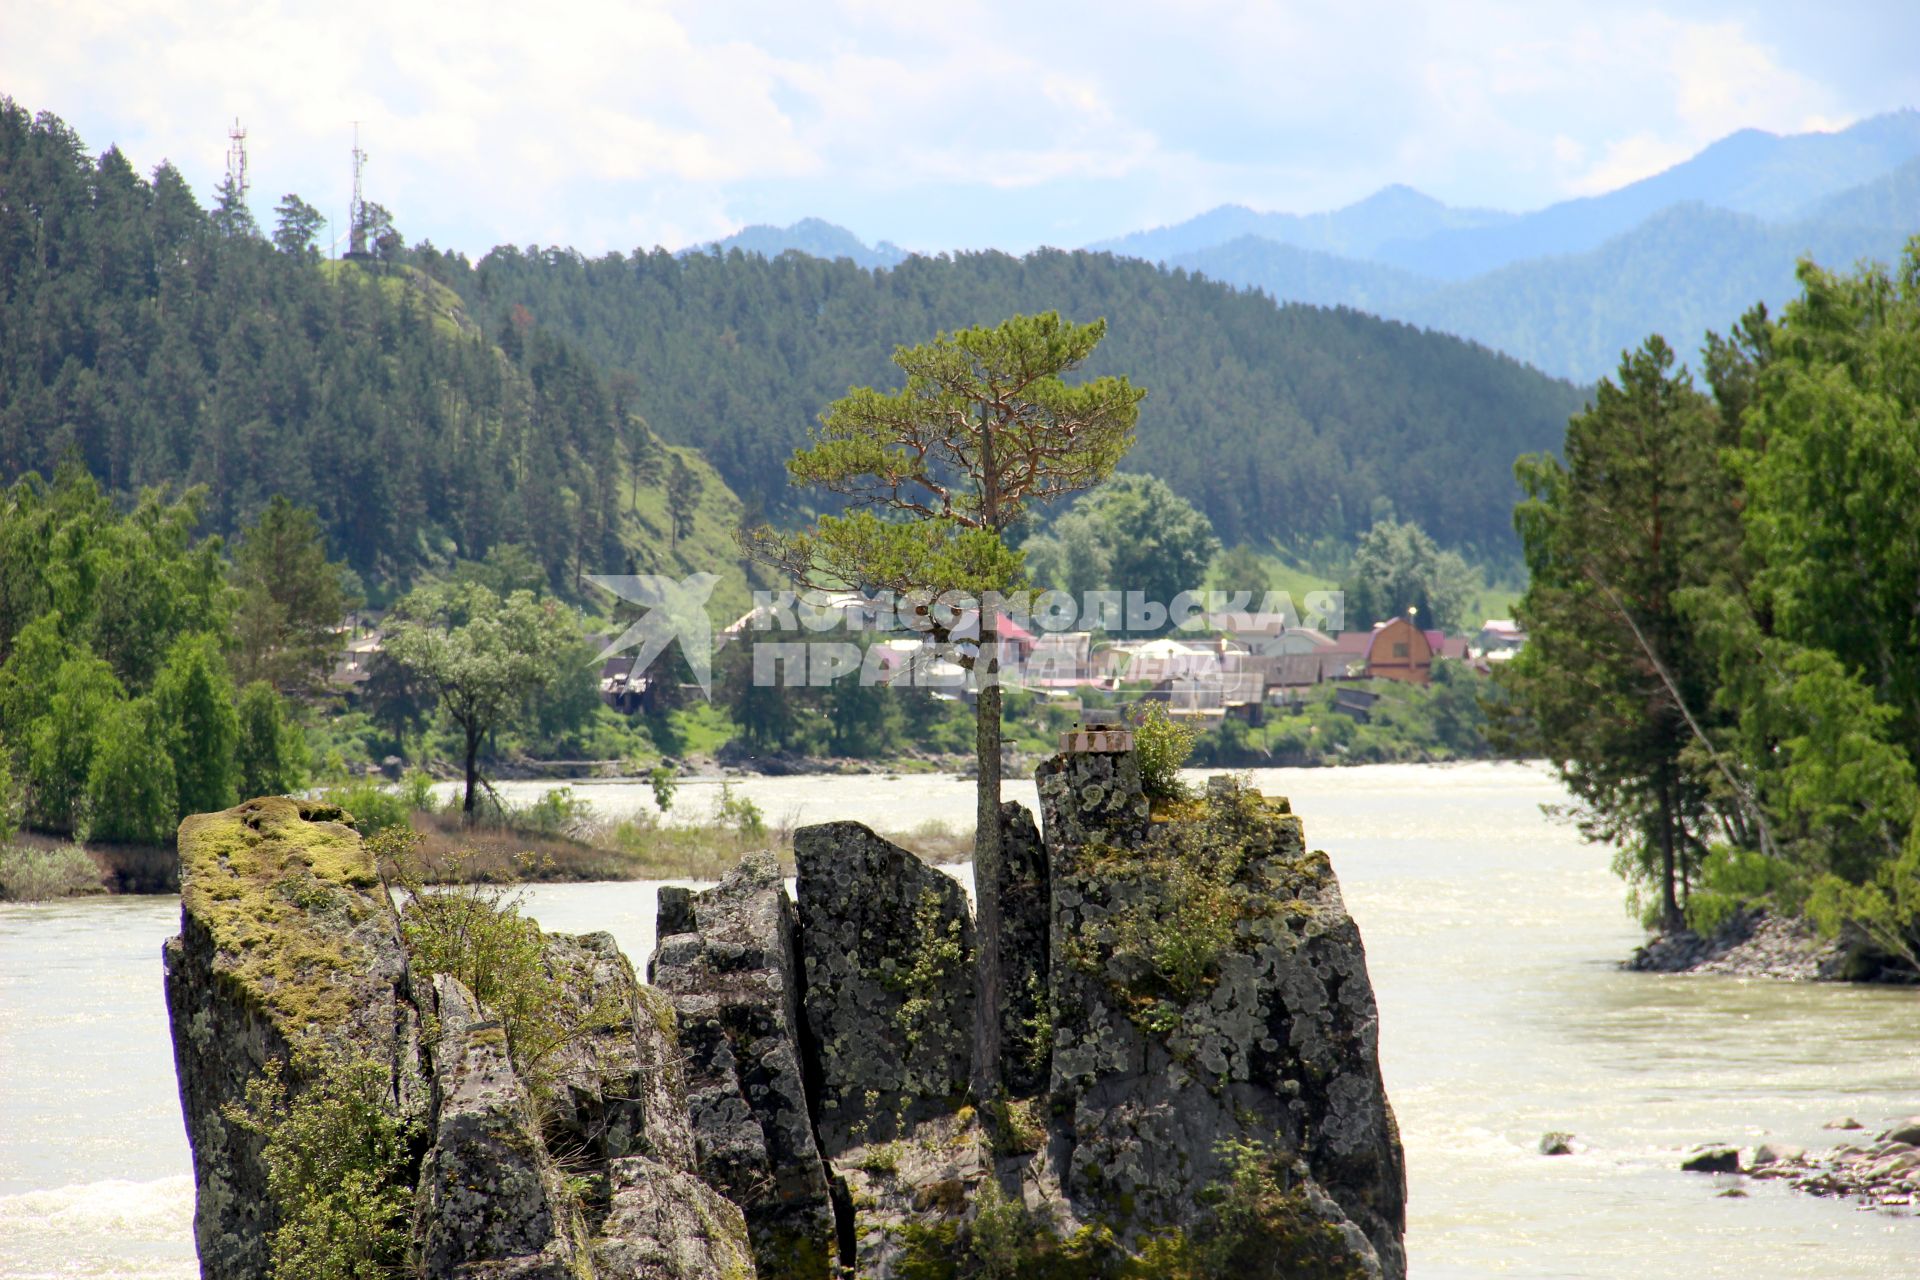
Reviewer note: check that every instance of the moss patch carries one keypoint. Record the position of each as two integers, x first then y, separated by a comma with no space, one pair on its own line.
282,888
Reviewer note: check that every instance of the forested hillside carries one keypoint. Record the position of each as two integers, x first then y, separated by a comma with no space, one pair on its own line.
1289,423
163,343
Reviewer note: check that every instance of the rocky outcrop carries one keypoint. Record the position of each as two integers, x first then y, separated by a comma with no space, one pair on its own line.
289,951
570,1161
727,961
886,944
1212,1010
1197,1025
490,1197
1190,1057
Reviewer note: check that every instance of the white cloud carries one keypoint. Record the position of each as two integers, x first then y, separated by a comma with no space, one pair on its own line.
608,122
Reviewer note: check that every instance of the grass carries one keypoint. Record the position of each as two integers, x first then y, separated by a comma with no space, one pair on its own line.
710,548
637,848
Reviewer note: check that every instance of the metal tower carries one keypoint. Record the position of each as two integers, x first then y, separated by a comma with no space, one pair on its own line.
357,211
237,159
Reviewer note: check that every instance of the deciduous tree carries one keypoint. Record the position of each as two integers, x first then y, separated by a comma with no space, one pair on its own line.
481,656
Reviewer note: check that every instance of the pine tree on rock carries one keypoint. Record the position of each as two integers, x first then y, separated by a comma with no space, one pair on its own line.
935,474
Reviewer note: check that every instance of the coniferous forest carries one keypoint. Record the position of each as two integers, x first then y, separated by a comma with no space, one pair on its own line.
1282,423
160,341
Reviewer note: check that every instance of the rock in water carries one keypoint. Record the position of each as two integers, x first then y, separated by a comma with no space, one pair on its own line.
1906,1131
1713,1160
734,985
290,963
887,947
287,940
1214,1025
1556,1144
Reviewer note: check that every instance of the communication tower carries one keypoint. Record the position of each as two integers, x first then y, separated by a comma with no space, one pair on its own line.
237,159
357,211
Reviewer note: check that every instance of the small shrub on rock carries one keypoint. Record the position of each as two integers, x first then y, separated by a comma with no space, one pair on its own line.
339,1170
1162,745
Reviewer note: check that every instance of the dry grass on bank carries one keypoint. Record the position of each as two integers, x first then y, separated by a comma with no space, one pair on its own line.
451,852
637,849
36,868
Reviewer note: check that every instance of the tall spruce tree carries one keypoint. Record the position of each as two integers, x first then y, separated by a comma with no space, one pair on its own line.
1614,685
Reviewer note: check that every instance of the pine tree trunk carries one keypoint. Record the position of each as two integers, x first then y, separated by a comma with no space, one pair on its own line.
986,865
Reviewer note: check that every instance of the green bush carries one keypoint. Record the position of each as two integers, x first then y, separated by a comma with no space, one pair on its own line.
558,812
1161,745
476,934
738,813
1734,878
375,807
1885,910
417,790
338,1171
36,875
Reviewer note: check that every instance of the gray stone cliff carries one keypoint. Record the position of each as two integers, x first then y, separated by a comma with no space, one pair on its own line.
291,964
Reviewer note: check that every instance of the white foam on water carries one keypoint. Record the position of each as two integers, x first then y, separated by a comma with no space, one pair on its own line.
117,1227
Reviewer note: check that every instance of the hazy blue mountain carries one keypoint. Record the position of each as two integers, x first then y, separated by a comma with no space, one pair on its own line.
1752,172
1892,200
1749,172
1390,214
1683,271
1290,274
814,237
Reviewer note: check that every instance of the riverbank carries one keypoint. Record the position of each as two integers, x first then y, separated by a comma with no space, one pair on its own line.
1755,942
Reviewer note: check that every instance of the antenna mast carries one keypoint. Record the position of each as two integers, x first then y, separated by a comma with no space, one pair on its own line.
357,211
237,160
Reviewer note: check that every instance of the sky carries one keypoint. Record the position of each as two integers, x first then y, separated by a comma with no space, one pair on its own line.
609,126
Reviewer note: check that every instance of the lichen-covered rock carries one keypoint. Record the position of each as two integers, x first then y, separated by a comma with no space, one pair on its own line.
617,1087
887,947
733,981
287,941
1091,797
490,1199
915,1193
1026,1028
1212,1008
665,1224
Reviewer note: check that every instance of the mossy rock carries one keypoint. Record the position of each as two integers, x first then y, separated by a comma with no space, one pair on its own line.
293,905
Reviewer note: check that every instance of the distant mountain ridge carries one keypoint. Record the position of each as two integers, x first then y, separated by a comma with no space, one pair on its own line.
1752,172
1391,214
815,237
1567,287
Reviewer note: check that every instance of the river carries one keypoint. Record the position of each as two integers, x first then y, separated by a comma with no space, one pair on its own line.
1492,935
